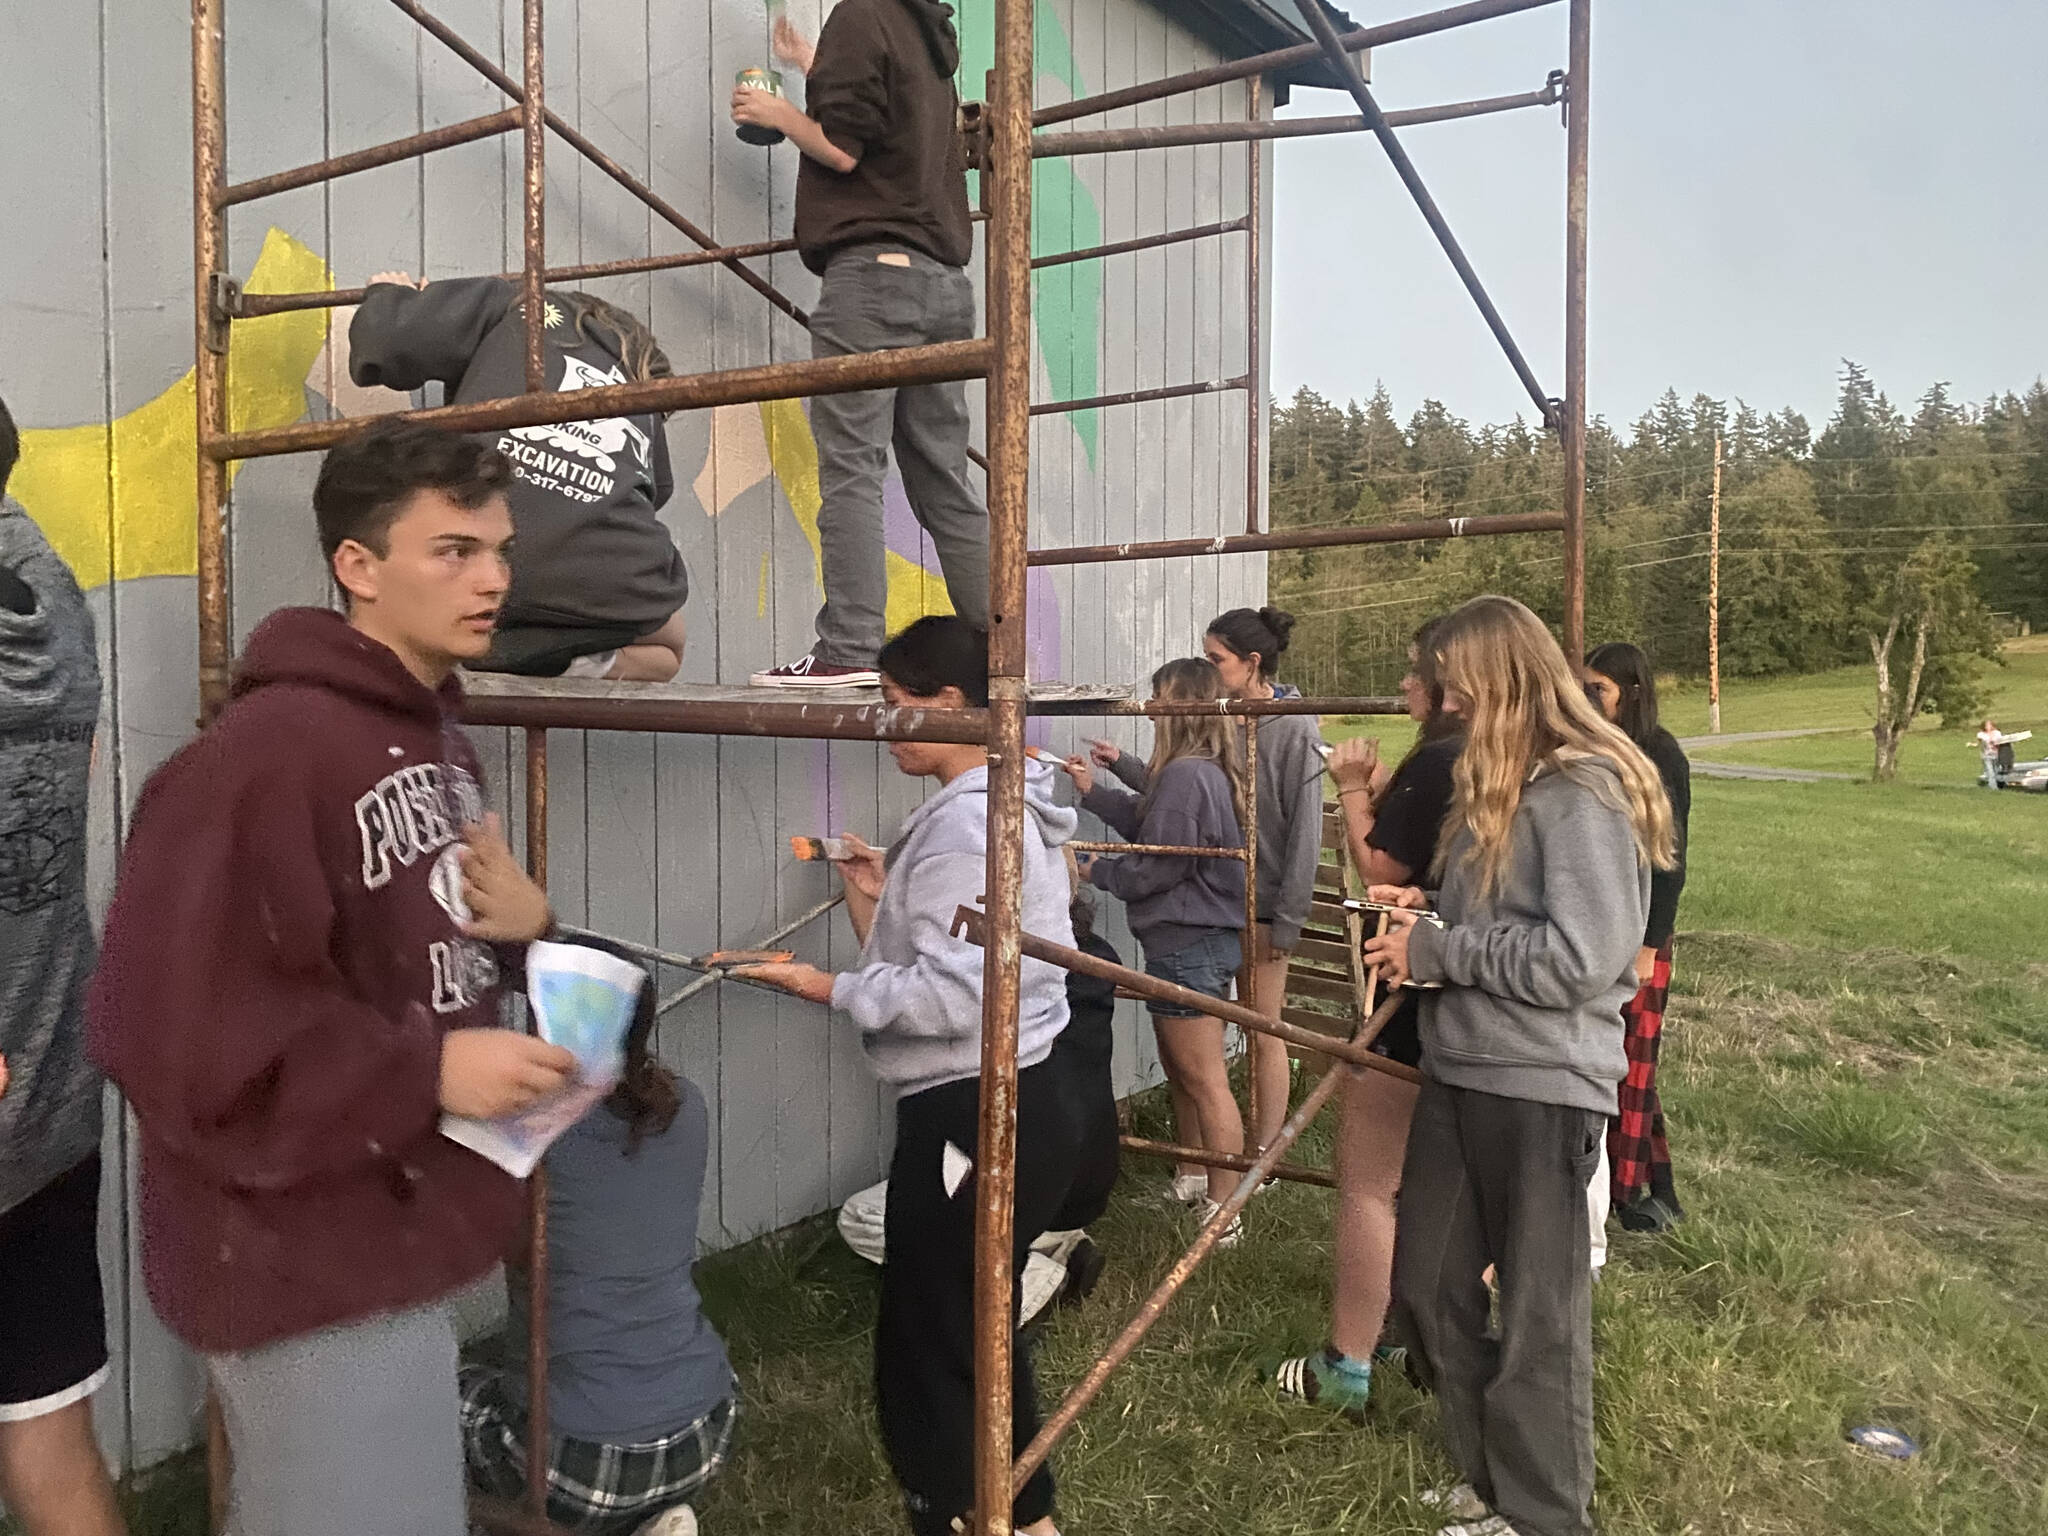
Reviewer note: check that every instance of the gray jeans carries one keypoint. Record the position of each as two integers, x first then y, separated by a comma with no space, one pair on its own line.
1491,1180
347,1431
868,304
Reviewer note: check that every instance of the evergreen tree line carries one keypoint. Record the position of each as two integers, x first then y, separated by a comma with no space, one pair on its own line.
1886,533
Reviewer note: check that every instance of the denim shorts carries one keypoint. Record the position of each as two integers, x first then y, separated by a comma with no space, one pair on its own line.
1209,964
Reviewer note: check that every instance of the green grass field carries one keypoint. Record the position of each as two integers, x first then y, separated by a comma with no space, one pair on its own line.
1931,755
1856,1073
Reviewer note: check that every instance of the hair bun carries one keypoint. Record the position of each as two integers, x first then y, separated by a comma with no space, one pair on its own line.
1280,621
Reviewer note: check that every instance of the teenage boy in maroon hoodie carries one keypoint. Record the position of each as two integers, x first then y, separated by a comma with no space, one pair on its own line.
298,977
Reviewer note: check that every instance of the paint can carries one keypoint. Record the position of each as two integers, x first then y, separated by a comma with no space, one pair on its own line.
755,78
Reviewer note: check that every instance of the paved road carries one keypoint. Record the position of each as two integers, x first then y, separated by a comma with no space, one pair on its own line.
1743,738
1707,770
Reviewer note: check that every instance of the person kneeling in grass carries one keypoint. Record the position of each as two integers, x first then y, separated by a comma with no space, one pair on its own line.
641,1398
916,995
1543,889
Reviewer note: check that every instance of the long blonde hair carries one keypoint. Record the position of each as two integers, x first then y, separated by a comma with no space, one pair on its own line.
1194,679
1523,707
619,332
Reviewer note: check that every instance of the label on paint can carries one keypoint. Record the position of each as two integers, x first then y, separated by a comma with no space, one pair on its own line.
755,78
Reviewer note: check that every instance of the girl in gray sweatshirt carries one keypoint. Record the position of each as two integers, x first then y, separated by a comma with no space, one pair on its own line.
1187,911
1542,887
916,996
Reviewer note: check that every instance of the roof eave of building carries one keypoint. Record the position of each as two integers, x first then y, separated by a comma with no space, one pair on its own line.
1243,27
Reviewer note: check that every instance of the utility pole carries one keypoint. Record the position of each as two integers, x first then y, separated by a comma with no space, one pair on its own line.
1714,599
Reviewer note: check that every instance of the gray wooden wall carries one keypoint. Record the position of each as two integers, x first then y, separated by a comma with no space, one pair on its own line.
673,840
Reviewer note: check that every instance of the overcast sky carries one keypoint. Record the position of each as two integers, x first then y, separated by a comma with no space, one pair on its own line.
1775,185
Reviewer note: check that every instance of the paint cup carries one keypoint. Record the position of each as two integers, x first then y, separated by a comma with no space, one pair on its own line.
755,78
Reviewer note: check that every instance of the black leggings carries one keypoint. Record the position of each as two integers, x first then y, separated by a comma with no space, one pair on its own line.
924,1339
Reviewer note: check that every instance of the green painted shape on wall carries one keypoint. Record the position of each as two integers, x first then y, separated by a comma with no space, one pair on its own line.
1066,301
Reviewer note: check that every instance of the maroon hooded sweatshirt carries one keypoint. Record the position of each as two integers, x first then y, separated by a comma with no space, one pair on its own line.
280,963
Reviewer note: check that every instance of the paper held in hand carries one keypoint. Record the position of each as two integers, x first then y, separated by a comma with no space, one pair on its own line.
583,1001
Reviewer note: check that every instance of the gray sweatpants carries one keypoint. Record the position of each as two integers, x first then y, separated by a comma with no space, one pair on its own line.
1491,1180
347,1431
869,303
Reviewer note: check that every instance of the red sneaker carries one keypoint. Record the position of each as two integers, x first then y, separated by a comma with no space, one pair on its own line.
809,672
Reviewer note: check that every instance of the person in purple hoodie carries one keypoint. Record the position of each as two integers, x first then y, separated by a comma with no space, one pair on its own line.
299,977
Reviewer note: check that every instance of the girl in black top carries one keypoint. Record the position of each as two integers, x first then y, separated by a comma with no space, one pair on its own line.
1619,678
1391,821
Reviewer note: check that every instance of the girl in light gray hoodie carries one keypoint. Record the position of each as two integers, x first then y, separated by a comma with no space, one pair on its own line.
1543,884
916,995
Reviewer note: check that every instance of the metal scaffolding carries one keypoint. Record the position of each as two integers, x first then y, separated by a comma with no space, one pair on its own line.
1001,145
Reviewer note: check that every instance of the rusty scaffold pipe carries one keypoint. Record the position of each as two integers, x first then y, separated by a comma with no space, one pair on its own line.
1254,310
210,344
936,364
1293,1173
1102,141
1573,426
1138,396
408,148
1184,1268
1008,289
1306,538
975,926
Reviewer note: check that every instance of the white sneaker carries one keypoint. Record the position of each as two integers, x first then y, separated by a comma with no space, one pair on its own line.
1189,1188
1232,1234
1492,1525
1459,1503
680,1521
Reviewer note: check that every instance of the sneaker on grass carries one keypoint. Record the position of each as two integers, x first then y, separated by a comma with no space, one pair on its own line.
1232,1234
809,672
1461,1502
1491,1525
1188,1188
1327,1379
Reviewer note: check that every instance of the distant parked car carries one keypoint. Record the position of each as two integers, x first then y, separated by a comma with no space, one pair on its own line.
2000,770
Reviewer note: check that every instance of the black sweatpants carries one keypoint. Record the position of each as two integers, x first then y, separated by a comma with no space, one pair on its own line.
1491,1180
924,1340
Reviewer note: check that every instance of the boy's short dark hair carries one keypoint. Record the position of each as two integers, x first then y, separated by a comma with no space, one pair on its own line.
366,479
937,652
10,447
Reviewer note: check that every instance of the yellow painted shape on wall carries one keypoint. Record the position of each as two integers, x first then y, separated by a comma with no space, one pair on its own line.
913,591
64,481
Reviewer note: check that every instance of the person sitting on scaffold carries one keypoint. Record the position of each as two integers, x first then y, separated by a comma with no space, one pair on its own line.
597,585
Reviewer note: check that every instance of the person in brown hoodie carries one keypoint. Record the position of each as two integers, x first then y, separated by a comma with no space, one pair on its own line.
881,217
298,976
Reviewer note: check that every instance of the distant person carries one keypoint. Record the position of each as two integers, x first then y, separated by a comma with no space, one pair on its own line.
597,585
1638,1150
1187,911
1245,646
916,997
53,1327
881,216
299,978
1998,754
1392,821
1542,883
641,1398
